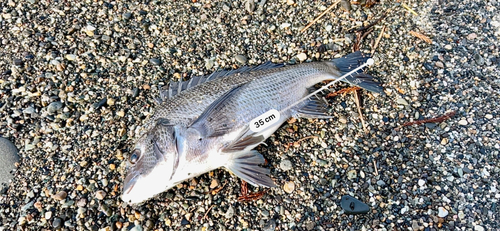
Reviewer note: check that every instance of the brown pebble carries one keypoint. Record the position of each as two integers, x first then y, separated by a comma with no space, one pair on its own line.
214,183
119,225
100,194
112,166
289,187
38,205
60,195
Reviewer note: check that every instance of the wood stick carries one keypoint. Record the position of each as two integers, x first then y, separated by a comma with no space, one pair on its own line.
321,15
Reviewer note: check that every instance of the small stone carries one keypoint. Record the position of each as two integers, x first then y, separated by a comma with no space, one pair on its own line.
402,101
472,36
18,62
351,205
155,62
478,228
81,203
286,165
463,122
54,107
461,215
48,215
121,113
241,59
444,141
230,212
127,15
60,195
290,2
302,57
70,57
8,159
270,226
380,183
289,186
488,116
352,174
442,212
57,223
342,119
421,182
100,194
119,225
214,184
448,47
112,166
346,5
439,64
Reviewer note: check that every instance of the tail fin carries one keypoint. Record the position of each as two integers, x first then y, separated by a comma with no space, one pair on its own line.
363,80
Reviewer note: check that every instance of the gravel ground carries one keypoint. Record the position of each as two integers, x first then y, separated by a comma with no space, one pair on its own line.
78,79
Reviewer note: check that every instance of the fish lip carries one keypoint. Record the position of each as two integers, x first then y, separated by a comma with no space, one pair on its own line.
129,182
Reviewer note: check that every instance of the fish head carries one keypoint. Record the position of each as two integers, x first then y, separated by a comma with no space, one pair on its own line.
150,165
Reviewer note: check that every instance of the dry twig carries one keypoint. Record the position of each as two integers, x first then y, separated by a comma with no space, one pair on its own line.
358,104
378,40
319,16
342,91
409,9
432,120
421,36
245,196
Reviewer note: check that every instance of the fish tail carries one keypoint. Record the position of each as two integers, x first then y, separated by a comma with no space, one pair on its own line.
360,79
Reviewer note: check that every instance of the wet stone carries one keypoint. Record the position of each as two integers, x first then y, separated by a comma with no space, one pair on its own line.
241,59
286,165
57,223
155,61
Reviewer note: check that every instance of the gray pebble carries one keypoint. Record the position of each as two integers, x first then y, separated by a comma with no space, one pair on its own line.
127,15
229,212
54,107
241,59
8,158
57,223
286,165
154,61
270,226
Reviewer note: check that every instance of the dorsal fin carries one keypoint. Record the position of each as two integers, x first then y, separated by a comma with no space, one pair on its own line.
175,88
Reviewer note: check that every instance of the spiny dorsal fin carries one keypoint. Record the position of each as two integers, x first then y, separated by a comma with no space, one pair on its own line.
175,88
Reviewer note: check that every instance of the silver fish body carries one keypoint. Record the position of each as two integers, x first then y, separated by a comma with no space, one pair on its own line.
203,124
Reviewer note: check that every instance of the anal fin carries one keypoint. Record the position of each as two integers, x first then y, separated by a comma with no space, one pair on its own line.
245,165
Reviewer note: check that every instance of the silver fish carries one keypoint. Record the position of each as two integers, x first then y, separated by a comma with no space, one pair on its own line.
203,124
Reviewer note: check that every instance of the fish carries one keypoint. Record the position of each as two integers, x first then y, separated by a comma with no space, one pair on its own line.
204,123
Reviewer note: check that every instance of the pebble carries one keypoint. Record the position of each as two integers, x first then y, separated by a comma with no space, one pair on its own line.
448,47
342,119
402,101
214,183
54,107
351,205
155,62
230,212
70,57
302,57
286,165
57,223
421,182
442,212
60,195
241,59
472,36
463,122
488,116
289,186
100,194
478,228
8,159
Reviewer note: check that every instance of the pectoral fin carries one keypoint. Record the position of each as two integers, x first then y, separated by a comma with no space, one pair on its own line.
245,165
211,123
315,108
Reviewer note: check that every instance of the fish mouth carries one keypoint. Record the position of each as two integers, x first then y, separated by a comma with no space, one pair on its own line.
129,183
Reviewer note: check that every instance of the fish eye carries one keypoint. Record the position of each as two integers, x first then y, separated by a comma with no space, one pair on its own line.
135,156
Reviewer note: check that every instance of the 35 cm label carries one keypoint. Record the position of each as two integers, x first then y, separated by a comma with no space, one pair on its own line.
265,120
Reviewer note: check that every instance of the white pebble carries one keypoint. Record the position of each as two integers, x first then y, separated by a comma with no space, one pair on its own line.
302,57
421,182
442,212
462,122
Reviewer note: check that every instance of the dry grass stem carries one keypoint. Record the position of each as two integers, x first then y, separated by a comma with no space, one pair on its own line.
319,16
